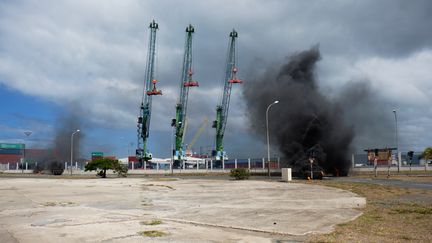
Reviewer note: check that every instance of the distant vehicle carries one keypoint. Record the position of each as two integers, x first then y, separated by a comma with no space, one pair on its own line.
360,165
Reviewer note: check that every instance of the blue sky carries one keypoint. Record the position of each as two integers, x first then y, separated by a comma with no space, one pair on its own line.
20,113
88,58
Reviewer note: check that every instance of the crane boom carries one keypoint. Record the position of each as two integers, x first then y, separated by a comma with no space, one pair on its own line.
222,109
198,134
181,108
149,90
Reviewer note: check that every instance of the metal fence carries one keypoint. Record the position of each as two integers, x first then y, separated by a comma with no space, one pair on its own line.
361,160
253,164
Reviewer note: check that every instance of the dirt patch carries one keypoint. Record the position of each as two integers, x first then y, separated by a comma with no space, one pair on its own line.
392,214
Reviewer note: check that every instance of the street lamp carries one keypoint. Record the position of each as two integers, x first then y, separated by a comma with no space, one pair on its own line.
397,141
268,140
27,133
72,149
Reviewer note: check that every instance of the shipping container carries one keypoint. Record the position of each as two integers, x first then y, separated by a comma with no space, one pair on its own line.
10,158
11,151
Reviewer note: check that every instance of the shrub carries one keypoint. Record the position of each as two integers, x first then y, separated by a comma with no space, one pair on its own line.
105,164
240,173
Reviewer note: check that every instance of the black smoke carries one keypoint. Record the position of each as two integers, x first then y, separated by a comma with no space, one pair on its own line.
305,123
59,151
66,125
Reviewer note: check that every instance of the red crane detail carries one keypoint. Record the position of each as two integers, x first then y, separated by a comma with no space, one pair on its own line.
234,79
154,91
190,82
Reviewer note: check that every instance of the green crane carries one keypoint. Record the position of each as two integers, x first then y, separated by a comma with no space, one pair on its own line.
181,108
143,125
222,109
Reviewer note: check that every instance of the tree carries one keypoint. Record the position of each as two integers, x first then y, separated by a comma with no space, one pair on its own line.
427,154
105,164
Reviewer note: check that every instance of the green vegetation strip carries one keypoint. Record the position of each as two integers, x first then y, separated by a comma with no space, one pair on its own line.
153,222
152,233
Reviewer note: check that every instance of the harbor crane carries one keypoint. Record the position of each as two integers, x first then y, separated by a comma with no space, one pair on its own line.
143,126
186,82
223,107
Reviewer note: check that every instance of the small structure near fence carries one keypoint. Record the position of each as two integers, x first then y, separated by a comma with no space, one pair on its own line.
380,156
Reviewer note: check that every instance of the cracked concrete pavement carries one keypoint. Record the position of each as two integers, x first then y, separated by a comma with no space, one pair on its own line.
115,209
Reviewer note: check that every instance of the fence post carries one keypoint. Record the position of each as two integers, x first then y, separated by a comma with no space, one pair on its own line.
26,165
278,160
76,165
157,167
235,163
184,165
223,164
249,167
133,165
399,160
8,166
211,164
263,163
197,165
145,165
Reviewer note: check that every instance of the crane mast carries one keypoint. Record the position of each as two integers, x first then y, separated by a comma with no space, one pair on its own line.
186,82
223,107
149,90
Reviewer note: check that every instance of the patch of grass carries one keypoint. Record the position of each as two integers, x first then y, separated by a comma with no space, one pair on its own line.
391,214
169,187
49,204
53,204
164,179
405,237
416,209
152,233
153,222
370,217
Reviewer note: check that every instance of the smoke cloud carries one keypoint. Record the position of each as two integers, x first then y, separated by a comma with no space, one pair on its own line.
305,122
66,125
60,150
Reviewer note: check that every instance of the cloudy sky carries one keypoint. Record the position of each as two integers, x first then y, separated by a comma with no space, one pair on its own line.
87,58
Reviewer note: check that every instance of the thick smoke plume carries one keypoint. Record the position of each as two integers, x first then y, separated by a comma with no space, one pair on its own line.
60,150
305,123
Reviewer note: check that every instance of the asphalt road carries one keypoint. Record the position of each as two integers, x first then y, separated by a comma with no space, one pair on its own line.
388,182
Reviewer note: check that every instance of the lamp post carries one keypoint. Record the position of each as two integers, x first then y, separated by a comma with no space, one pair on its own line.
27,133
397,141
77,131
268,140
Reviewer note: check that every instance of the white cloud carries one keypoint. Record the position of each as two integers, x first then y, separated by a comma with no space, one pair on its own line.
93,52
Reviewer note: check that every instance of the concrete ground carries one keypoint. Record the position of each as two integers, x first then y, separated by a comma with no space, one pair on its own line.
199,210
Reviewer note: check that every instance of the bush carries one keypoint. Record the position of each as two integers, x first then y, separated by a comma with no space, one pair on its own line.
240,174
105,164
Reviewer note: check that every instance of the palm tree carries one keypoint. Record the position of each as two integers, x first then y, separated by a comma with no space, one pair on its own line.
427,154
